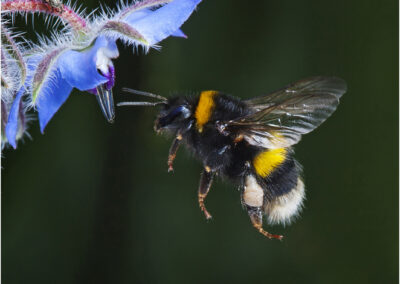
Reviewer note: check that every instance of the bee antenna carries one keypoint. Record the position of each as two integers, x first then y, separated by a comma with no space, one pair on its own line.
139,103
146,94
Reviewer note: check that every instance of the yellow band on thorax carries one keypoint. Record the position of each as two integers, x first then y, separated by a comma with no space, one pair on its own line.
204,108
265,162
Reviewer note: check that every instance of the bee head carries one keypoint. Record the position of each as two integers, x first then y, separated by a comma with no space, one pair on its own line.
175,114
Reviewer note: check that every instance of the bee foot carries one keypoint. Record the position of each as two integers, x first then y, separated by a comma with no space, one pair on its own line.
208,215
255,215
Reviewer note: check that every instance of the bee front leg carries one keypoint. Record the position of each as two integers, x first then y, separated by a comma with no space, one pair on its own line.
255,214
172,151
204,187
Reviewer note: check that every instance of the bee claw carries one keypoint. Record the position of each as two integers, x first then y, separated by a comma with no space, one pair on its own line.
256,220
207,215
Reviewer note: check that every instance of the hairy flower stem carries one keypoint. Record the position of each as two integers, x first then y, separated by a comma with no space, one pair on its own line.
66,13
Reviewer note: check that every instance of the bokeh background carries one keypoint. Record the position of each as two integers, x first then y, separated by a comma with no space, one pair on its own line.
91,202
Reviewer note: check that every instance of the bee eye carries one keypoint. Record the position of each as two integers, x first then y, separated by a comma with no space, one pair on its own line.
183,111
175,112
178,112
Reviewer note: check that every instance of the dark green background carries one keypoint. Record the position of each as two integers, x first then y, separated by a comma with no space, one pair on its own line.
90,202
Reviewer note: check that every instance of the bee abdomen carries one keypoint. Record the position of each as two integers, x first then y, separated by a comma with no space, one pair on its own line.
282,209
278,174
267,161
276,170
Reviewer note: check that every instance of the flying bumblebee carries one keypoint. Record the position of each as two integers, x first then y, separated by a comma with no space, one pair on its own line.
249,141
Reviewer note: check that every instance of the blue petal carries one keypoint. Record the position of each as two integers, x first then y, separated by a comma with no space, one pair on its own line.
79,69
135,16
52,98
163,22
13,116
179,33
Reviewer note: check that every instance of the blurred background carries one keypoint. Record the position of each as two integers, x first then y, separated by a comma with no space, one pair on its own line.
91,202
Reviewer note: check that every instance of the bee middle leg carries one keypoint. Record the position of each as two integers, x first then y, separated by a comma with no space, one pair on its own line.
204,187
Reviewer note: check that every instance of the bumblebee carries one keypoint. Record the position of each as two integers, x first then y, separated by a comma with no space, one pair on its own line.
250,141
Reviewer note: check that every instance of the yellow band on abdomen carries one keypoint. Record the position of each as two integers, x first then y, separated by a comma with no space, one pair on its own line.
204,109
265,162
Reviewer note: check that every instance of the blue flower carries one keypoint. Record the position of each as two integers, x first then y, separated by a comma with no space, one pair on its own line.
84,70
83,59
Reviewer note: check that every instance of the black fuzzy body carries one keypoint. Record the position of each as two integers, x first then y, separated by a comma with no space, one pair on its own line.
216,150
226,157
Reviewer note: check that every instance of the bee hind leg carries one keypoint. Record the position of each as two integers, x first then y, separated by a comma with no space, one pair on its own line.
253,199
255,214
173,150
204,187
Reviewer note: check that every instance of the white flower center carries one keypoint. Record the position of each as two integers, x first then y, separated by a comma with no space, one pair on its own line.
103,59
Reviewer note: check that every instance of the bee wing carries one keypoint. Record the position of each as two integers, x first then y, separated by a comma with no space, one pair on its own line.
279,119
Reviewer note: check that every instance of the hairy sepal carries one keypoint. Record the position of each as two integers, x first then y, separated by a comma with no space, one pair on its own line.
136,6
123,31
11,53
43,72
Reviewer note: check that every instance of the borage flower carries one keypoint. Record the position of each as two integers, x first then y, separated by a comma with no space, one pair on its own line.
81,56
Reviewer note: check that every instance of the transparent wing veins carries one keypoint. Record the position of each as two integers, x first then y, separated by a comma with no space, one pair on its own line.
281,118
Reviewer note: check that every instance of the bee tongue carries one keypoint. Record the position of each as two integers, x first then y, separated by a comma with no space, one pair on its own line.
105,99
